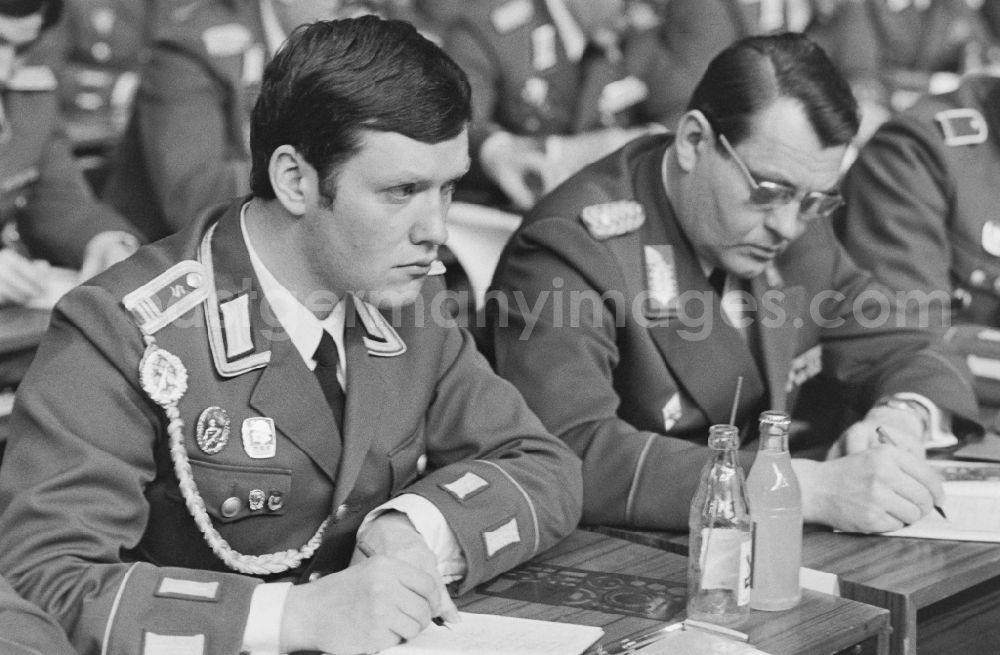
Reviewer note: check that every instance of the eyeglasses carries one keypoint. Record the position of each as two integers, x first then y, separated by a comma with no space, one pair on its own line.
767,194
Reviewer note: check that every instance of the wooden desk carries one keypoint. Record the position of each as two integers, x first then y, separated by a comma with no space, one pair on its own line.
820,624
943,596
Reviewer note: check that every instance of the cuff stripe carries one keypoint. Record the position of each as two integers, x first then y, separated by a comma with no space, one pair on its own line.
634,488
114,609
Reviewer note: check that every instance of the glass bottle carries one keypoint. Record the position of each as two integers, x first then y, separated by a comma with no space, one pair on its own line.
776,512
719,558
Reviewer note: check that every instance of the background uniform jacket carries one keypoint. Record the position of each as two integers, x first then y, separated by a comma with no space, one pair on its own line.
186,146
523,82
921,212
44,199
611,379
94,528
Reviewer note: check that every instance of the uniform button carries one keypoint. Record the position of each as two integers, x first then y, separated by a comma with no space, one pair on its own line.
421,464
231,507
977,277
314,576
100,51
21,202
340,513
275,501
996,285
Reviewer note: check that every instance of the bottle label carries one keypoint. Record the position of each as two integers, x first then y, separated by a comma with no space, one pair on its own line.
746,569
725,561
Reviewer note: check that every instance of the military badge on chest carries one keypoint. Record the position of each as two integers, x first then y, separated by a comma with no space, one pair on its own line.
212,430
259,438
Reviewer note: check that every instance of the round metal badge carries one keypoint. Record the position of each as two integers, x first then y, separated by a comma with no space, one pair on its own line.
162,376
212,431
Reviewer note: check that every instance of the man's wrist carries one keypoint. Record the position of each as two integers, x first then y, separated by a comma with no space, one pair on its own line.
912,407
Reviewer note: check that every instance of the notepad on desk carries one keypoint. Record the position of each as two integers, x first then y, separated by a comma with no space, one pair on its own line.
489,634
972,505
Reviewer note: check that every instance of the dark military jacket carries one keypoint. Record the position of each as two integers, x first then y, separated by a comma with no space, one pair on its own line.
46,205
922,203
524,83
99,492
186,146
616,339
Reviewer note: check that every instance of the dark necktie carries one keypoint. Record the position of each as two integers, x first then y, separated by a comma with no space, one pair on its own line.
718,280
326,372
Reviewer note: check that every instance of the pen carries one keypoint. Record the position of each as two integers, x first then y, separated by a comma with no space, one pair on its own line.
367,551
884,437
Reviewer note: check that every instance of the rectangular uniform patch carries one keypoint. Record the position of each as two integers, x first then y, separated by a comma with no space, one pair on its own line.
154,644
503,536
188,589
466,486
236,326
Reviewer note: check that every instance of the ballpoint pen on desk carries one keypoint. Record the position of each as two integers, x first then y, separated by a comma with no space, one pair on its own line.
367,551
884,438
630,644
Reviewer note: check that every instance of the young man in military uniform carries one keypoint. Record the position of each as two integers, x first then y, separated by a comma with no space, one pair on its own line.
556,84
47,212
186,144
275,385
633,297
921,213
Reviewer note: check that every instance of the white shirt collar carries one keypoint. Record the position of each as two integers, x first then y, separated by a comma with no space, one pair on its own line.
572,35
274,35
301,325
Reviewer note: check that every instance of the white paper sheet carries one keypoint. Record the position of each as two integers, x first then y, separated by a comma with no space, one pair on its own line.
488,634
973,511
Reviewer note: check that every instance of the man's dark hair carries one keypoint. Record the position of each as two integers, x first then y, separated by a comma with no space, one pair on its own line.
333,79
752,73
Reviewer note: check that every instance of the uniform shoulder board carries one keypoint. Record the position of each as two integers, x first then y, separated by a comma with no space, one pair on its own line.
226,40
511,15
962,127
612,219
166,297
379,337
33,78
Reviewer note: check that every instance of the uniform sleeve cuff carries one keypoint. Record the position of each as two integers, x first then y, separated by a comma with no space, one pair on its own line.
939,433
428,520
262,635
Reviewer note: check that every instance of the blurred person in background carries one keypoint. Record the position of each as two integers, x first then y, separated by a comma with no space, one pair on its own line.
186,144
921,214
48,214
556,84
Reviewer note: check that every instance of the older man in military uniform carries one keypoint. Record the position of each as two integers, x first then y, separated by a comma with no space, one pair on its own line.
47,212
555,82
633,297
251,414
921,214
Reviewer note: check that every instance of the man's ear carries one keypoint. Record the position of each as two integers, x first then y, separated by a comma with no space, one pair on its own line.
289,178
694,135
